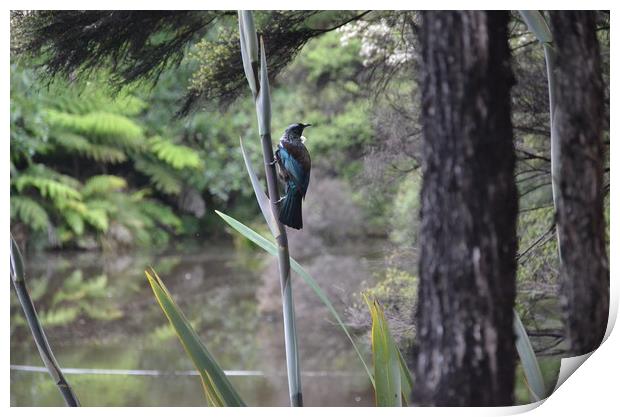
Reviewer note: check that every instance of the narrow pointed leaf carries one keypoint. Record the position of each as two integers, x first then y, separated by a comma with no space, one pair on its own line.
406,380
537,25
249,30
385,357
245,57
263,102
261,197
271,248
218,389
529,362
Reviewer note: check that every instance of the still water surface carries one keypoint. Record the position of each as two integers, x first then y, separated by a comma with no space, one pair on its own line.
100,314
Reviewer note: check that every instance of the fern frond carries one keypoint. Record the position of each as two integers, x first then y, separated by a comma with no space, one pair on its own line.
40,170
102,184
73,205
178,156
94,98
75,221
106,204
161,214
73,142
29,212
164,178
97,218
47,187
127,104
106,127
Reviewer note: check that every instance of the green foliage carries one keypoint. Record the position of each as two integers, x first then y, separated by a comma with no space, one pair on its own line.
405,211
28,211
327,59
94,203
397,292
163,178
109,128
103,184
74,143
29,132
57,187
177,156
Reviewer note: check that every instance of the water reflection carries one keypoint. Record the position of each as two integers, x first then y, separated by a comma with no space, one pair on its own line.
100,314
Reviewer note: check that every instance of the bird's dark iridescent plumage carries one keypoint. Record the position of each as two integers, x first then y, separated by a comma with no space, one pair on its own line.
294,169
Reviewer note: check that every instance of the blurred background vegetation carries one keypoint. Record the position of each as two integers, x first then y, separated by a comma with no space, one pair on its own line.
97,169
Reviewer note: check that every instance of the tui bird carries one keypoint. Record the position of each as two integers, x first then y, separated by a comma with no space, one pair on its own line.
294,165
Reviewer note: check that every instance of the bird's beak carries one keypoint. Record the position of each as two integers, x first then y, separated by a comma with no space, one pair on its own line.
305,126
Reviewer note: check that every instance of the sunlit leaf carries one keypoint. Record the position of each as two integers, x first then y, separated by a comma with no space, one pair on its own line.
393,381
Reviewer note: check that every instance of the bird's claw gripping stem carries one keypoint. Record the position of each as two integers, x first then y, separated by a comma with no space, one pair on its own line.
272,163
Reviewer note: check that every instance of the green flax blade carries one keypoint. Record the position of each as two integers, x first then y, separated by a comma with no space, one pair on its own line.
531,368
406,380
537,25
218,389
261,197
385,357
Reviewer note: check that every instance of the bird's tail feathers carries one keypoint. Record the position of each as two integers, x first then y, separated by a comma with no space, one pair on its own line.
290,210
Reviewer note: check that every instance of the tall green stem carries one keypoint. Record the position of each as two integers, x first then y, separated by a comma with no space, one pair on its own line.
259,84
45,351
538,26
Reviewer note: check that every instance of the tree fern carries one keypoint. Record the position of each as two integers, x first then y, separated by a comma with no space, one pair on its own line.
165,179
102,184
72,142
92,97
97,218
83,129
75,221
177,156
161,214
29,212
106,128
47,187
106,204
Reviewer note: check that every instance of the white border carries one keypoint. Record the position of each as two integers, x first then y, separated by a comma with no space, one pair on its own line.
591,390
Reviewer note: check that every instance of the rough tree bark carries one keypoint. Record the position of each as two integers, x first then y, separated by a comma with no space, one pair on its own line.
579,121
466,345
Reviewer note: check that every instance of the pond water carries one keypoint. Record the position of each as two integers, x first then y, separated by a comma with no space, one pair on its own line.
118,349
103,323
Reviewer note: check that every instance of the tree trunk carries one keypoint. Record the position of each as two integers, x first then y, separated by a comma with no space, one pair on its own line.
466,345
578,122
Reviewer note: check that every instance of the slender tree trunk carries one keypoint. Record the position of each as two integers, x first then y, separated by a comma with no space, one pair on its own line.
579,121
466,345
